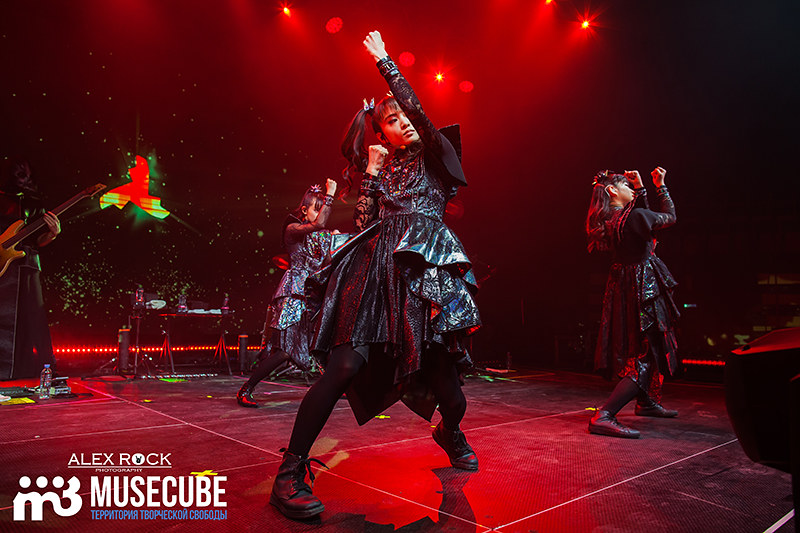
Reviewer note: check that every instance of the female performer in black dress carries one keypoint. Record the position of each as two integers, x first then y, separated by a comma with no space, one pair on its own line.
398,296
291,327
637,337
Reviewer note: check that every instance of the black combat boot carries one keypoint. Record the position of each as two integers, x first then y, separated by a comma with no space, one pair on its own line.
604,423
290,492
455,444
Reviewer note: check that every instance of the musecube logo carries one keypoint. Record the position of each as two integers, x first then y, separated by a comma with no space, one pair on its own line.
37,499
197,496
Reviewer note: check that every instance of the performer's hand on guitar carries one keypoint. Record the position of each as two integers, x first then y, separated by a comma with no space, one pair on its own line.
658,176
54,227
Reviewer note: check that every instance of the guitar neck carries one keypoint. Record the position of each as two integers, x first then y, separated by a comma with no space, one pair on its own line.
39,223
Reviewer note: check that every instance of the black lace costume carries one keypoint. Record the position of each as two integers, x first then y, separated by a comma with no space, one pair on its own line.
638,297
404,285
308,248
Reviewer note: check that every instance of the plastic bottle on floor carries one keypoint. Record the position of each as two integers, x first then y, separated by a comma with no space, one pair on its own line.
45,380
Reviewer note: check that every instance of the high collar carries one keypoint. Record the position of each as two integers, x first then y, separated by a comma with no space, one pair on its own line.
409,151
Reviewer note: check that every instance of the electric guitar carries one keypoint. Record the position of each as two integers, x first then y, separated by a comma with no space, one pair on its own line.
18,231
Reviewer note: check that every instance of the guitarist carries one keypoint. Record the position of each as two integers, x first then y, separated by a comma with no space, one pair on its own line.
25,344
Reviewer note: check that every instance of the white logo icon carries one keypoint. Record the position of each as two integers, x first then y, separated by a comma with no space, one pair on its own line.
37,500
138,459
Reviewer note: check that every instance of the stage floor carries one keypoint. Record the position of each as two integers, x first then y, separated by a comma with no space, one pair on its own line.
540,469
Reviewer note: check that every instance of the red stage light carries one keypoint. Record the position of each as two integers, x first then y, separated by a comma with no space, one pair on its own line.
286,10
334,25
281,261
466,86
585,24
439,77
406,59
455,208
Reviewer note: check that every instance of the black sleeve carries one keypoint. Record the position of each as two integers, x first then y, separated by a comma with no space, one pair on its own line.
644,222
296,231
366,210
438,149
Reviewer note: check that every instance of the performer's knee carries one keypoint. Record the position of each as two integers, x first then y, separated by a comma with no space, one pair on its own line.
344,363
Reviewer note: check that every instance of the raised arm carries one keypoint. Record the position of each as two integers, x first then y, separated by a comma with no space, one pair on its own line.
296,231
401,90
366,207
434,141
665,207
645,221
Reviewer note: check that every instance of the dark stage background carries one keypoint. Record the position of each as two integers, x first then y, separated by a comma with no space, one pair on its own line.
239,108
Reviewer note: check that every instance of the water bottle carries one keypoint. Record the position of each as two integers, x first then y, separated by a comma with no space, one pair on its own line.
182,304
45,380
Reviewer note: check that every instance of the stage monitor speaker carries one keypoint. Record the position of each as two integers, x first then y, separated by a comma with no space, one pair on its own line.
759,397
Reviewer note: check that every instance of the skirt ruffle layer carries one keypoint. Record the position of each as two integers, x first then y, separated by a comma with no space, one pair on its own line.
292,331
399,290
638,298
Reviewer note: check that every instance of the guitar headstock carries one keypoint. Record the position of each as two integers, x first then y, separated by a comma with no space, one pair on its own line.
88,192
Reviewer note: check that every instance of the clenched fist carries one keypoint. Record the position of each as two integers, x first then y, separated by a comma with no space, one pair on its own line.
377,155
634,177
658,176
374,45
330,187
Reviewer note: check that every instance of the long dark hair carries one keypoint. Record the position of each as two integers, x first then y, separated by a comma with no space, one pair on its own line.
598,230
16,177
353,148
313,196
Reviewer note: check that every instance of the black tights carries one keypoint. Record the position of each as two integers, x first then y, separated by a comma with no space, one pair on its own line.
442,377
344,364
266,366
627,389
318,403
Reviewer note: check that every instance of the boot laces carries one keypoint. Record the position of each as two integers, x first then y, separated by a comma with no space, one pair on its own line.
305,467
460,443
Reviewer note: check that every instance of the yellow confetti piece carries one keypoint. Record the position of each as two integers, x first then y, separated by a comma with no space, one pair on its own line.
204,473
17,401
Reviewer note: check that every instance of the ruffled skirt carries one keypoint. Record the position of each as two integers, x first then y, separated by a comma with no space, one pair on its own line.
397,291
292,330
638,304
